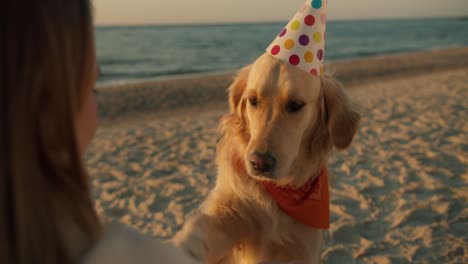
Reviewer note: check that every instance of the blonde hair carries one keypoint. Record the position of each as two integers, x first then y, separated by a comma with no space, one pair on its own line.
46,60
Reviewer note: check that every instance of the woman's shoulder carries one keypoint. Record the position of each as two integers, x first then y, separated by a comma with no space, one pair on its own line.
122,245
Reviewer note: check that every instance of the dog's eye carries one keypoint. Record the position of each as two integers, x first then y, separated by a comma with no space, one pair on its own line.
294,106
253,101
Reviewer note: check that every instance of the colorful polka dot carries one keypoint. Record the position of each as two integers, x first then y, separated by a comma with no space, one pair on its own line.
289,44
301,42
295,25
317,37
323,18
309,20
308,56
317,4
294,59
320,54
276,50
304,40
283,32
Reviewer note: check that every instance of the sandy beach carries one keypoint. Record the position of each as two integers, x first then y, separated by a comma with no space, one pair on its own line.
398,195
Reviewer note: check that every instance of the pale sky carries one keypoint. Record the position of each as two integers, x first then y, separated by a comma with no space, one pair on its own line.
127,12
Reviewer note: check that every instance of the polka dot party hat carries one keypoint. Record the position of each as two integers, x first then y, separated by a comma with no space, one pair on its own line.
302,42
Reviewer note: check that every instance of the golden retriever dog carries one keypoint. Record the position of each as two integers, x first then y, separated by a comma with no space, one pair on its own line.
282,126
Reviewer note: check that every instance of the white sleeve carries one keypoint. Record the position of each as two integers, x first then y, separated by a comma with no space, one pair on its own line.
121,245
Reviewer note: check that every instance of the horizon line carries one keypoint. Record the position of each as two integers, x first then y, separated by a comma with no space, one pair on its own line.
461,18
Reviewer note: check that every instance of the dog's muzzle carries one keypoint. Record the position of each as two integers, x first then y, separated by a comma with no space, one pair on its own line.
262,164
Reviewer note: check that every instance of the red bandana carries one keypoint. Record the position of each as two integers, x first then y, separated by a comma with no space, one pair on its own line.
309,205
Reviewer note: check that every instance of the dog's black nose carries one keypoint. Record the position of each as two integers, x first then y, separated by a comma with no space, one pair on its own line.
262,163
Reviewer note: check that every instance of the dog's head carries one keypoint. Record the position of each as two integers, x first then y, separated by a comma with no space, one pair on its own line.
289,120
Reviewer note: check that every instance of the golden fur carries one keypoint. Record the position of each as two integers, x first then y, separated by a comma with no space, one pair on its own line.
239,222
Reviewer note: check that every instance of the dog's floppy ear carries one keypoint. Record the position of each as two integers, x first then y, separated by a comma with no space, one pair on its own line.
236,119
236,90
342,117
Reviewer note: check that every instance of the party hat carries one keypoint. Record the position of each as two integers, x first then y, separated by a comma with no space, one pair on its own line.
302,42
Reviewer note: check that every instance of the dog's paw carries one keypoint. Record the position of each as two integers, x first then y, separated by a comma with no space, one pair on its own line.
194,247
192,242
203,240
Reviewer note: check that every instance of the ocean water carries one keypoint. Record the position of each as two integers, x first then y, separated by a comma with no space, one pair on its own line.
141,52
